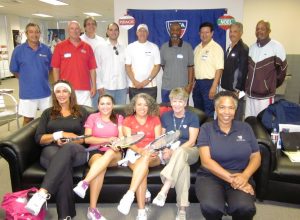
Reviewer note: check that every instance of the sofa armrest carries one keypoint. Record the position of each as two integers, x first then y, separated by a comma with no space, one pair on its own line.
20,151
263,137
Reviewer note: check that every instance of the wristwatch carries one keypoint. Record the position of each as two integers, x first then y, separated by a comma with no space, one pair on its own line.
150,79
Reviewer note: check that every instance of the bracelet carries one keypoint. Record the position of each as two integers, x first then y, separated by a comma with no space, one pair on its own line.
57,135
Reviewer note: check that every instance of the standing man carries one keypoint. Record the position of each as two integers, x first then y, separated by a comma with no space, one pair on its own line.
111,74
266,71
142,64
177,61
74,60
90,37
209,64
236,65
30,63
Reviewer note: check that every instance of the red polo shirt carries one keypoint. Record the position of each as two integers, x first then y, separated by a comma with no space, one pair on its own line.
74,63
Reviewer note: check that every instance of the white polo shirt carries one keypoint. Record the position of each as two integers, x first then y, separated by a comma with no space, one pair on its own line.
142,57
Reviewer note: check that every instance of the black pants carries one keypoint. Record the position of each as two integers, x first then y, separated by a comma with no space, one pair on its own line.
213,193
150,91
59,162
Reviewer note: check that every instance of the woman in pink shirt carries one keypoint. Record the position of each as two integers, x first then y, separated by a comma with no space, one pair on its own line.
104,127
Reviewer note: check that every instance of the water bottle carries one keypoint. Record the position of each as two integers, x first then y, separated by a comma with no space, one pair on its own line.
274,136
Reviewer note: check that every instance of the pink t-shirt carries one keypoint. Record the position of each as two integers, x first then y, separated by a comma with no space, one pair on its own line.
147,128
103,129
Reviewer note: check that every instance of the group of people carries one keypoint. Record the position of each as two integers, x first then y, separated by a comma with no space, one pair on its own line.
228,151
95,66
89,70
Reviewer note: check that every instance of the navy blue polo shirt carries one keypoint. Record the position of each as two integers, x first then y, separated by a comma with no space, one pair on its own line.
232,151
33,67
182,124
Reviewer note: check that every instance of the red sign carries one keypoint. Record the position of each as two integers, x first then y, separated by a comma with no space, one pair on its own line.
225,21
126,22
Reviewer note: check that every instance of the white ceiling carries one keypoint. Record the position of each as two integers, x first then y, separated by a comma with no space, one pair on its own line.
73,11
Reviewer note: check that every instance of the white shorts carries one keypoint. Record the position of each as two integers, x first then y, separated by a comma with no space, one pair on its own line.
255,106
83,97
28,107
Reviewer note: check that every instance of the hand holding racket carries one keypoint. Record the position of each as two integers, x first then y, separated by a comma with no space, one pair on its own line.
70,139
122,142
163,141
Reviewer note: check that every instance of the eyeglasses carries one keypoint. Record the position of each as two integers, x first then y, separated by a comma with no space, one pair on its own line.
116,50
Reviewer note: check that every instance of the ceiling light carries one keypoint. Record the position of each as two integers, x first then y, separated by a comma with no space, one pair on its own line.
92,14
1,6
54,2
43,15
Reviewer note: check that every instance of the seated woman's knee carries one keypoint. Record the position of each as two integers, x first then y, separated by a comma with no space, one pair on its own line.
210,210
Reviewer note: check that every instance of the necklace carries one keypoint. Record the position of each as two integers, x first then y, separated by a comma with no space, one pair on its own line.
181,122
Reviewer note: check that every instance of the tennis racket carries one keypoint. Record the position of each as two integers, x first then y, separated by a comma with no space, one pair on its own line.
164,141
122,142
74,138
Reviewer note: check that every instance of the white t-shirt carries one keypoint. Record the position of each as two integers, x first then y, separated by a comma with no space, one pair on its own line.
93,42
111,72
142,57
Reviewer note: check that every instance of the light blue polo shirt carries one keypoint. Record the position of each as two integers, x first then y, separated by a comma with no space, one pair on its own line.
33,68
232,151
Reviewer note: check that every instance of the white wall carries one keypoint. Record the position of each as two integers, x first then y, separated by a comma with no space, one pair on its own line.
283,16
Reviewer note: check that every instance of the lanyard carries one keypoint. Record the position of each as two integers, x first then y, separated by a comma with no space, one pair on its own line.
181,122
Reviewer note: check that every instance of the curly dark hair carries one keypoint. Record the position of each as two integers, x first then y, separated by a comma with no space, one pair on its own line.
74,107
153,108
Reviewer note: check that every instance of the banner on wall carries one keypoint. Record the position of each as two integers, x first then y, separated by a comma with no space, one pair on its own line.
159,21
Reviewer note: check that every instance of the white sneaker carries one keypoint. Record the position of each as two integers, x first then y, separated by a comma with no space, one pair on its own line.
36,202
94,214
181,215
159,200
125,203
81,188
141,216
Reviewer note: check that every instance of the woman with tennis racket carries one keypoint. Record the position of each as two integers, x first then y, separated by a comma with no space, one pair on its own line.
104,127
143,117
177,170
63,121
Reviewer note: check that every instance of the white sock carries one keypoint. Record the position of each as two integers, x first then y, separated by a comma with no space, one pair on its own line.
130,193
141,211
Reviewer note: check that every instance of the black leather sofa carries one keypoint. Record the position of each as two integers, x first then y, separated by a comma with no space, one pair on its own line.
279,177
22,154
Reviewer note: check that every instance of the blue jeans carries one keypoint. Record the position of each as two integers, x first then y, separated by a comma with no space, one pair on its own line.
165,96
95,100
119,95
200,96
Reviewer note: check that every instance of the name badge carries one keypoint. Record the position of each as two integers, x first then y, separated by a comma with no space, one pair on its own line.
204,57
67,55
179,56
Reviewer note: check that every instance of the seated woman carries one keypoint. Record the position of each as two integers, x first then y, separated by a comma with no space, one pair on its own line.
177,171
104,126
229,156
143,111
64,120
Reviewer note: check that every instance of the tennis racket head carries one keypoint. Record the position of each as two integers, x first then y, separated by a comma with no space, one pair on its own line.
125,142
164,140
